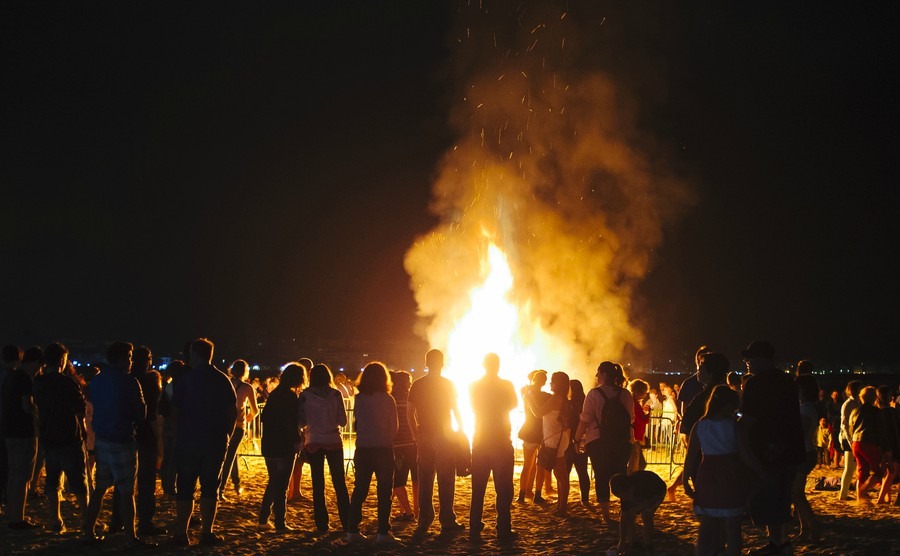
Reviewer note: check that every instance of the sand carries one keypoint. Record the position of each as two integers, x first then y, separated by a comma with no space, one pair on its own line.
849,529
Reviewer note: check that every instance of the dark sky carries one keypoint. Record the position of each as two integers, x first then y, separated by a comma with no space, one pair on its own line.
249,171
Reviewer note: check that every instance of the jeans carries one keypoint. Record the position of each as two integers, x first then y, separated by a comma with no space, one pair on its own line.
167,472
499,459
435,459
231,467
380,462
273,500
317,471
68,460
145,494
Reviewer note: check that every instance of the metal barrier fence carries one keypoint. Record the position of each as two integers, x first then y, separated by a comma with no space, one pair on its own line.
662,443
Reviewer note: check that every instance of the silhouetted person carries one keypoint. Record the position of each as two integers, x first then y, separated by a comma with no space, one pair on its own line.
246,412
771,416
20,432
61,406
376,425
12,356
118,408
492,450
280,445
206,404
322,413
432,400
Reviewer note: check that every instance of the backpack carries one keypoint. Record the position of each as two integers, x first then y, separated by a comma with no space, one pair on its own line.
615,422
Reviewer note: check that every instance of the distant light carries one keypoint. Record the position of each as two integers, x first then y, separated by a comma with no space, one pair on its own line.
76,363
255,367
163,366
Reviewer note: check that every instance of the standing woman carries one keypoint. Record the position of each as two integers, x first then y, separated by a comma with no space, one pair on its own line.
405,452
280,444
608,444
555,413
573,457
376,425
322,411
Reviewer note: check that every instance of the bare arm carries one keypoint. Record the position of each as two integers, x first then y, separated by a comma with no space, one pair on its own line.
411,419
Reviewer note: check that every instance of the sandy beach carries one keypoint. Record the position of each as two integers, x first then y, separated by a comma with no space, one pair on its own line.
849,530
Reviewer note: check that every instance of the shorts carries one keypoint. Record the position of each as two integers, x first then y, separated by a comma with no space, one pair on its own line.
21,454
771,504
405,464
204,465
68,460
868,459
116,465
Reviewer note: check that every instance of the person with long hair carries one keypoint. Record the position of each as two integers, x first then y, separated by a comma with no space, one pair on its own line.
322,412
280,444
715,476
376,425
555,412
405,453
532,435
574,458
606,431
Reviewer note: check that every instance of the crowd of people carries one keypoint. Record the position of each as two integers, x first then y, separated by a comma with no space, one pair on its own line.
751,439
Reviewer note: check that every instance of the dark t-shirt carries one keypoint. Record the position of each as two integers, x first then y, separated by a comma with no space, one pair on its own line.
433,397
16,422
207,409
281,433
647,486
770,408
61,408
492,400
690,389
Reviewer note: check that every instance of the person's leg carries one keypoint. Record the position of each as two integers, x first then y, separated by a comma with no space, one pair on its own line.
707,543
503,466
230,464
339,482
529,452
808,527
364,464
265,509
427,472
210,474
283,469
584,478
884,494
384,475
53,464
146,485
317,474
401,472
562,483
733,538
481,471
294,493
73,466
540,476
21,454
445,469
847,476
187,470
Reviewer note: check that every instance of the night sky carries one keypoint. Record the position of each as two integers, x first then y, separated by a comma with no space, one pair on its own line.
247,171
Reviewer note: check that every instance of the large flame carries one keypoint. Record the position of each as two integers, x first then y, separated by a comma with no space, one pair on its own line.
495,324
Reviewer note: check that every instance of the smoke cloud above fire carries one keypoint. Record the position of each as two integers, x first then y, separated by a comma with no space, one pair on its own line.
551,167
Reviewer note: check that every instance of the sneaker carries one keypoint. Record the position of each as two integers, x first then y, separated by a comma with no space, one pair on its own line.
58,528
452,527
138,543
265,526
152,530
356,537
386,538
507,536
211,539
23,525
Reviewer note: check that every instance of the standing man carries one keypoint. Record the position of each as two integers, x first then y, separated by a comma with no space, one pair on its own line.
118,408
61,406
12,356
206,404
492,450
20,431
148,442
432,400
246,412
770,414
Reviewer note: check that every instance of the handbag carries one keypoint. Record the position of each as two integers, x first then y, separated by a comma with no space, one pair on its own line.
546,456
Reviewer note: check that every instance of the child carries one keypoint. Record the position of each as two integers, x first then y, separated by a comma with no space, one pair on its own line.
642,492
823,441
715,475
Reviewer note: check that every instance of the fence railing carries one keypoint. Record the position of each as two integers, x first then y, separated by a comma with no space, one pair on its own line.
662,444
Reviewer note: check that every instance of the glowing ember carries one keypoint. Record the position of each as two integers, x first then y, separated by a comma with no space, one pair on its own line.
494,324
